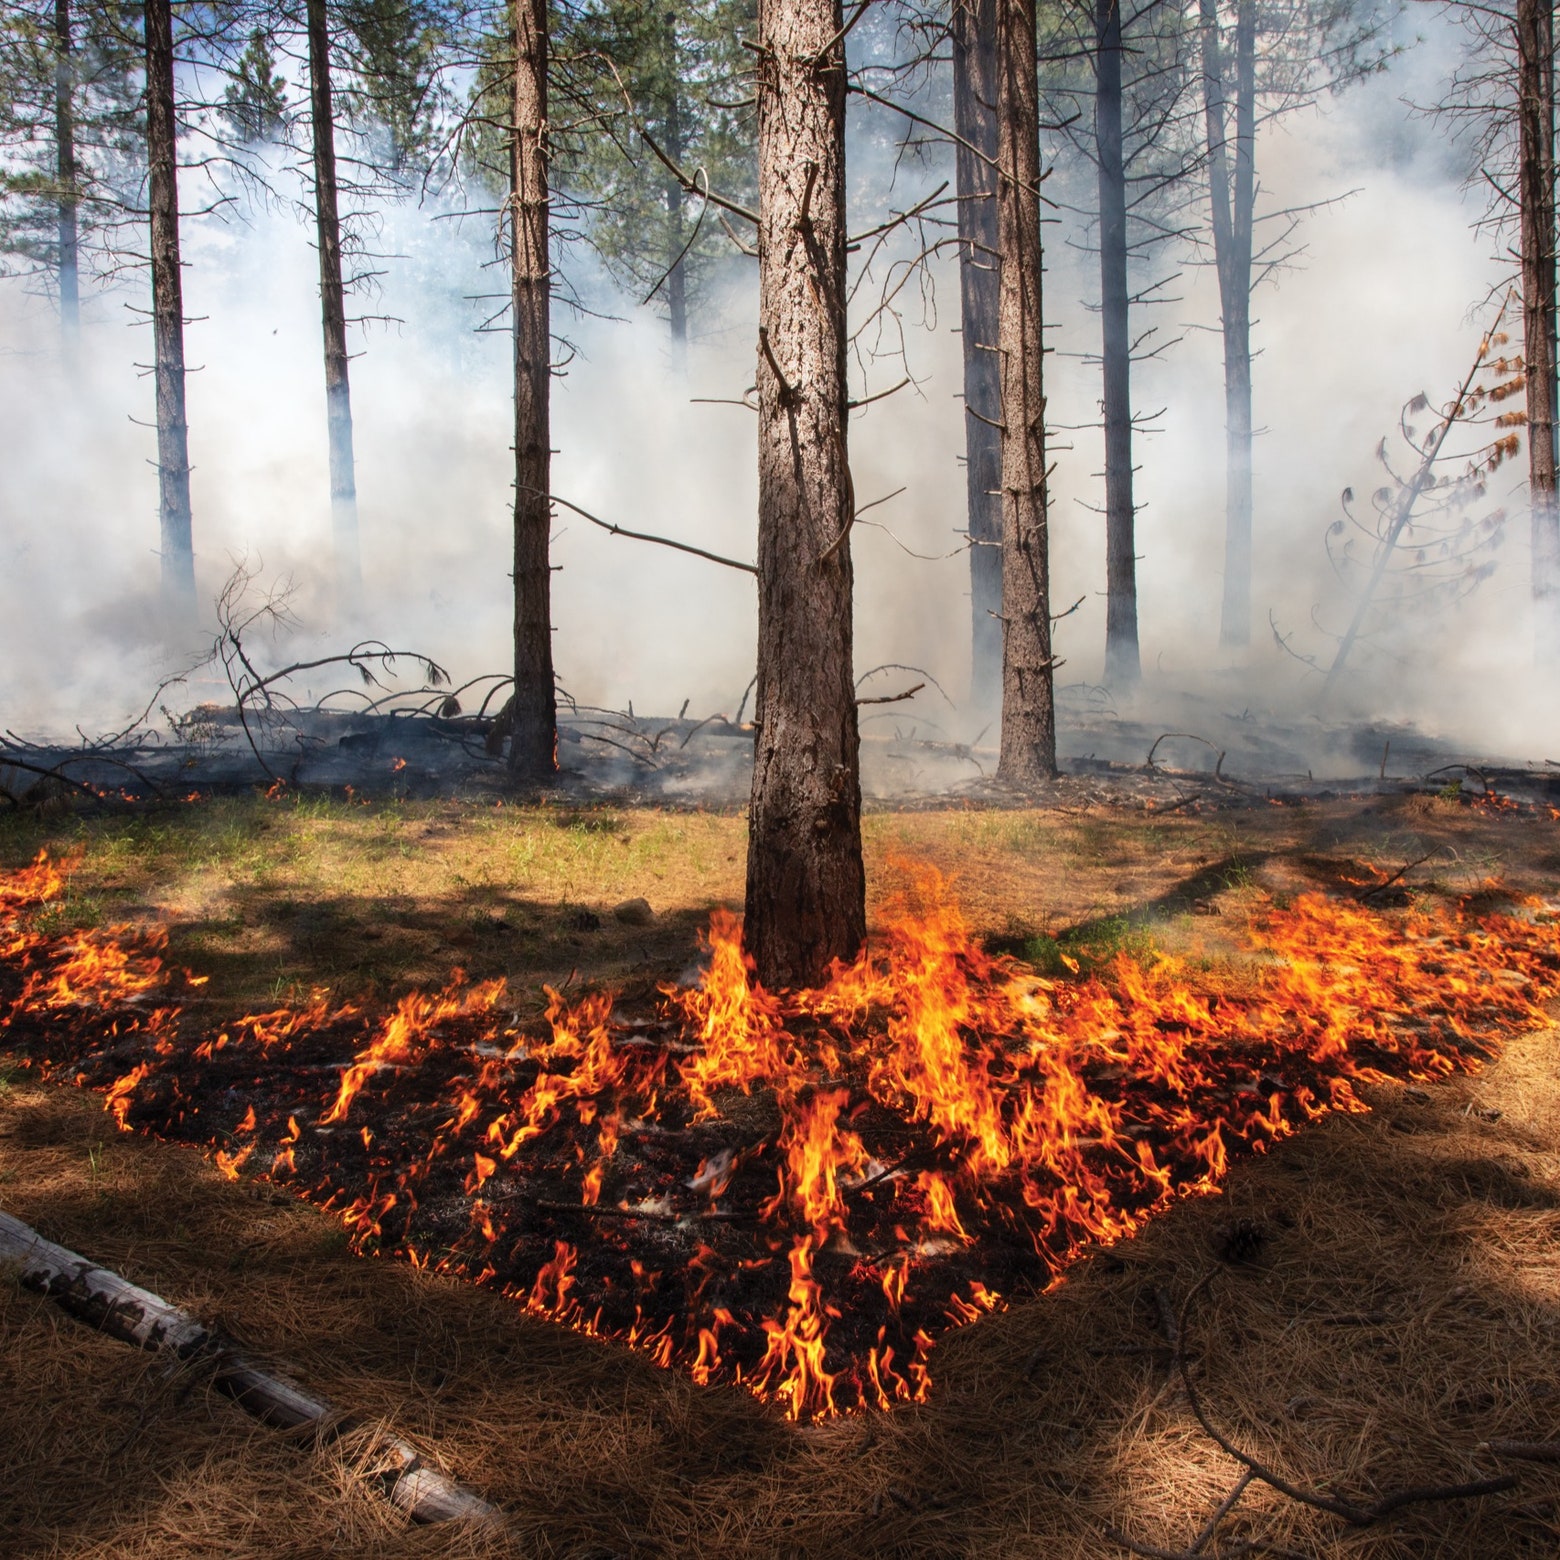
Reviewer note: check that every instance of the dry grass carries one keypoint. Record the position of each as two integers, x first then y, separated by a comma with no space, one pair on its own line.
1402,1308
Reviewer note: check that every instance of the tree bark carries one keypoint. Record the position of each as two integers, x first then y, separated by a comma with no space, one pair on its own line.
65,174
110,1304
173,455
1122,668
1536,190
676,275
806,885
1028,753
534,732
975,122
1233,197
333,313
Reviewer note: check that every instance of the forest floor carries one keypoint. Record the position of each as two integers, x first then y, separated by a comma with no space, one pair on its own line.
1399,1309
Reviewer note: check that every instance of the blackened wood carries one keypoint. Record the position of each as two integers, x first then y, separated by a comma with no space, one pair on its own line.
1122,669
173,451
806,886
974,40
533,735
1028,753
333,312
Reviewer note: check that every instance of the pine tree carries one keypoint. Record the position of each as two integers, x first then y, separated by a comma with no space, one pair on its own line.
254,104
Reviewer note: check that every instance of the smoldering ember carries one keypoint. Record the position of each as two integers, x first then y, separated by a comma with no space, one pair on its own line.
850,845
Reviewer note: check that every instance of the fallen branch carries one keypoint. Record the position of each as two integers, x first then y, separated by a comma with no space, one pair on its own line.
111,1304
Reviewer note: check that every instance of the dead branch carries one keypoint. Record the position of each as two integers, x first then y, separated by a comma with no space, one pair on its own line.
894,698
1355,1515
104,1300
644,536
1386,883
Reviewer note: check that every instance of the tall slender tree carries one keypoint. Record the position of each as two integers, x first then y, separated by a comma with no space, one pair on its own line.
974,39
173,456
333,314
1028,750
1122,668
534,710
69,260
806,884
1535,51
1232,202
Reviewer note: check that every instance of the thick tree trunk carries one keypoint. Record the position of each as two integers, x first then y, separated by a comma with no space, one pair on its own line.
1028,755
1122,669
1536,188
974,35
68,257
1232,187
806,886
534,733
676,238
333,313
173,452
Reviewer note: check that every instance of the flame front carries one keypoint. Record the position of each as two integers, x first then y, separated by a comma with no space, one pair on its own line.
794,1191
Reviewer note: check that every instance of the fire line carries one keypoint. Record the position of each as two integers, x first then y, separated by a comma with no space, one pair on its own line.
795,1192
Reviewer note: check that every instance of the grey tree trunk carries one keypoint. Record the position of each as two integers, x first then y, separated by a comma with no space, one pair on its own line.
1122,667
333,315
676,238
1028,754
974,37
806,885
1536,191
68,258
173,453
1232,188
534,729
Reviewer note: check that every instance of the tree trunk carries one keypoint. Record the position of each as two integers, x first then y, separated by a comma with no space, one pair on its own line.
173,452
676,275
1536,188
65,174
975,123
534,733
1122,669
806,886
1233,197
338,390
1028,755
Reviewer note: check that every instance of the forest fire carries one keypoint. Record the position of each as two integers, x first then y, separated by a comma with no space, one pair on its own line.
792,1191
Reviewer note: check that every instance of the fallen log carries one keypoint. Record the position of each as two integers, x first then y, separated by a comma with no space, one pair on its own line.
113,1305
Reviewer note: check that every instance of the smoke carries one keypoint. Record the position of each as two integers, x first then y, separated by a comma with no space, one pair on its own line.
1383,304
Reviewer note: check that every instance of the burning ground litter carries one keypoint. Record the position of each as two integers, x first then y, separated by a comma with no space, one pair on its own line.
798,1192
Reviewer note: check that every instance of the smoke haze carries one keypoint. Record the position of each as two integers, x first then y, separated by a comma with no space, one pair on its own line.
1386,302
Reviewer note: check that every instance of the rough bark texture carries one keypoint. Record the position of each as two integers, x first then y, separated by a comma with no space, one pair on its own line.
1232,187
1028,755
333,313
1536,187
65,173
806,886
533,740
1122,669
975,122
173,445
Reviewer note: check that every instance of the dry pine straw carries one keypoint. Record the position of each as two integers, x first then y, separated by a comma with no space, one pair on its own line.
1402,1308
